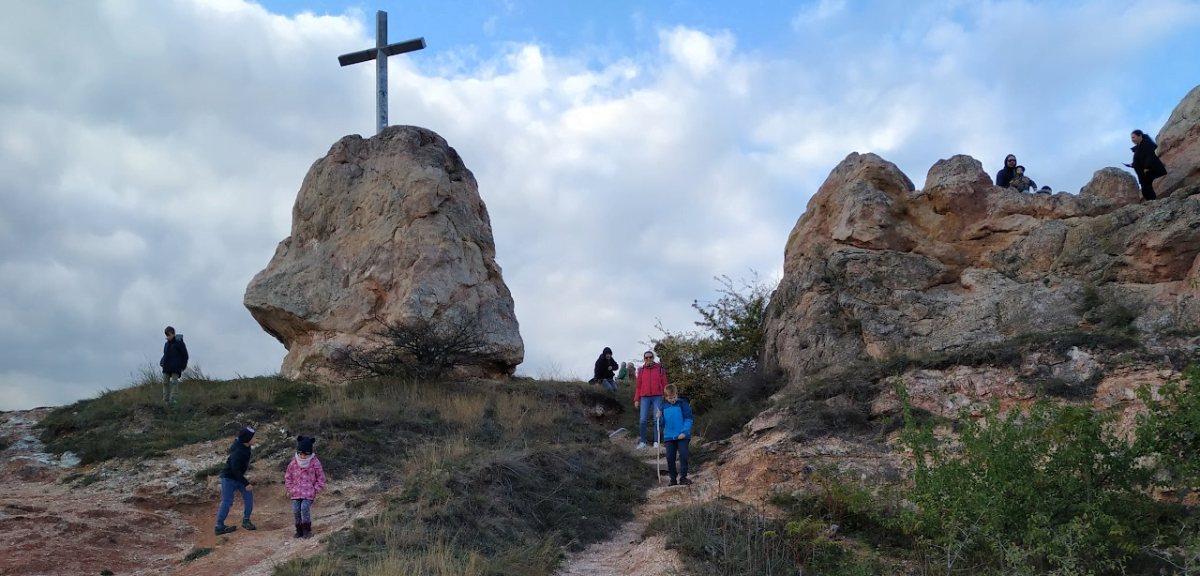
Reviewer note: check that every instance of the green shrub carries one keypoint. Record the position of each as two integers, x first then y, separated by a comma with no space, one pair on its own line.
1050,489
1169,431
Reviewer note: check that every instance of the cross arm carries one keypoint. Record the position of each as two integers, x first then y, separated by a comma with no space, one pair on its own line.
360,56
406,46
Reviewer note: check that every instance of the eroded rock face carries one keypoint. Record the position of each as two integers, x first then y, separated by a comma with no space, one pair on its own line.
1179,146
875,268
386,228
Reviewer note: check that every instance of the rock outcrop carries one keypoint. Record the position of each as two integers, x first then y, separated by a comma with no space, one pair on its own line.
1179,146
384,228
877,269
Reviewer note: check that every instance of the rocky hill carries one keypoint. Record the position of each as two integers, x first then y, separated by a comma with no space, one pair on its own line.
967,293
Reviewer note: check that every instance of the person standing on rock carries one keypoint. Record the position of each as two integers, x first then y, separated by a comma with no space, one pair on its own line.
305,478
605,367
647,393
1005,175
173,363
1146,164
233,477
677,433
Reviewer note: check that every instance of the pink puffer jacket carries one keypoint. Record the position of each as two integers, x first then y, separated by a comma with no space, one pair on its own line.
304,483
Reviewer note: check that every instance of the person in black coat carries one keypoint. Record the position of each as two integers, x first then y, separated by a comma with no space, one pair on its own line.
605,365
233,478
1005,175
1146,164
174,362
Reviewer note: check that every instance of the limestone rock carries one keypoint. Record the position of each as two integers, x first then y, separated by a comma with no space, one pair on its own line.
1179,147
1113,185
874,269
387,228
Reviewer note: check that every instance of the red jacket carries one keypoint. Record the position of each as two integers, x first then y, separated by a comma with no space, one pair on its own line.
650,381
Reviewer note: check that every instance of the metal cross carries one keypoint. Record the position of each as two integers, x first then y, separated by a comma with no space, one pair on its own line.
379,54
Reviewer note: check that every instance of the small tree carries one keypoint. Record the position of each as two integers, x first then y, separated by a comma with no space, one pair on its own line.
418,348
708,364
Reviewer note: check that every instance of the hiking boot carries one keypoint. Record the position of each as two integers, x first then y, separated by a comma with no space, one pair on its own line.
299,530
222,530
307,529
672,483
684,481
247,525
641,445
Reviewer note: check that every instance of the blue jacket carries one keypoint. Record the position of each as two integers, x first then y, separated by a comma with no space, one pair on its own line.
237,463
175,356
677,419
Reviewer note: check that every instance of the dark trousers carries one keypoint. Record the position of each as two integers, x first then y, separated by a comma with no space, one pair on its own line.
1147,183
681,447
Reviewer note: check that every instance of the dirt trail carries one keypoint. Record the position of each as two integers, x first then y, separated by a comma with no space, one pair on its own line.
141,518
627,553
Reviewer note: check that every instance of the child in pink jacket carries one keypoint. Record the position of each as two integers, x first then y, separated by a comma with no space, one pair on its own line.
304,480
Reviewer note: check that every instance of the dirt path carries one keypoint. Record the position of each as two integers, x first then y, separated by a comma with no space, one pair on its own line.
627,553
141,518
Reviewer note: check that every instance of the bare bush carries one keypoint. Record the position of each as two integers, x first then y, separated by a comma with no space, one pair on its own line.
418,348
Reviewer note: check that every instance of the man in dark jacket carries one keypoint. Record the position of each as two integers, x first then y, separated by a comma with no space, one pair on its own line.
174,362
233,477
605,365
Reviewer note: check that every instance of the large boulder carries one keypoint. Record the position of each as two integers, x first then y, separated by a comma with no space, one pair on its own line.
384,229
1179,146
875,269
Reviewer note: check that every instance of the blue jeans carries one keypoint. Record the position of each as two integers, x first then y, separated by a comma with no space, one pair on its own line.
608,383
648,405
228,485
680,446
302,510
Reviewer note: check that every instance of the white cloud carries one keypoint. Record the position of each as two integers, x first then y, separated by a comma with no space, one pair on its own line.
155,172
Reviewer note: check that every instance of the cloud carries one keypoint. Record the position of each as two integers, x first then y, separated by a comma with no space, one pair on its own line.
149,177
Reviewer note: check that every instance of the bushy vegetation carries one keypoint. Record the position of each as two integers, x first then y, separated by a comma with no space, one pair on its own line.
418,347
1053,490
716,367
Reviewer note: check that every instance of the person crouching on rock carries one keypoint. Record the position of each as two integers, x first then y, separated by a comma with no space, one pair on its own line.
305,478
677,433
605,366
233,477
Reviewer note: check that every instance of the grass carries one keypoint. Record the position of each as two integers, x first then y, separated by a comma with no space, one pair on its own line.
482,478
134,422
497,479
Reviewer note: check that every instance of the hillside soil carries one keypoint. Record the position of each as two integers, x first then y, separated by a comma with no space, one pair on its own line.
148,516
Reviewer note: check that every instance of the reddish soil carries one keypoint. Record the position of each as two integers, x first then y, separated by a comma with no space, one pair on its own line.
145,517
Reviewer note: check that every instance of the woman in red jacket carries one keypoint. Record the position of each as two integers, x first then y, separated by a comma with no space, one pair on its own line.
647,395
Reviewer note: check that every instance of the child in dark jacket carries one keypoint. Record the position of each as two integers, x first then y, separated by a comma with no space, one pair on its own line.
305,478
233,477
677,433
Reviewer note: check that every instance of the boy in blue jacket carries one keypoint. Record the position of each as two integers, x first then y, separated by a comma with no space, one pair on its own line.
677,433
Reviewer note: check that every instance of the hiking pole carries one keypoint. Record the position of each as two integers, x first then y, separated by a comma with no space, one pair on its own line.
657,452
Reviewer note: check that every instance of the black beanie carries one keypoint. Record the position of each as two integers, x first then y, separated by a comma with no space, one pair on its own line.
305,444
245,435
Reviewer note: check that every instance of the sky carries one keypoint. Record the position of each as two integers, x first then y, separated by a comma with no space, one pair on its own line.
628,151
